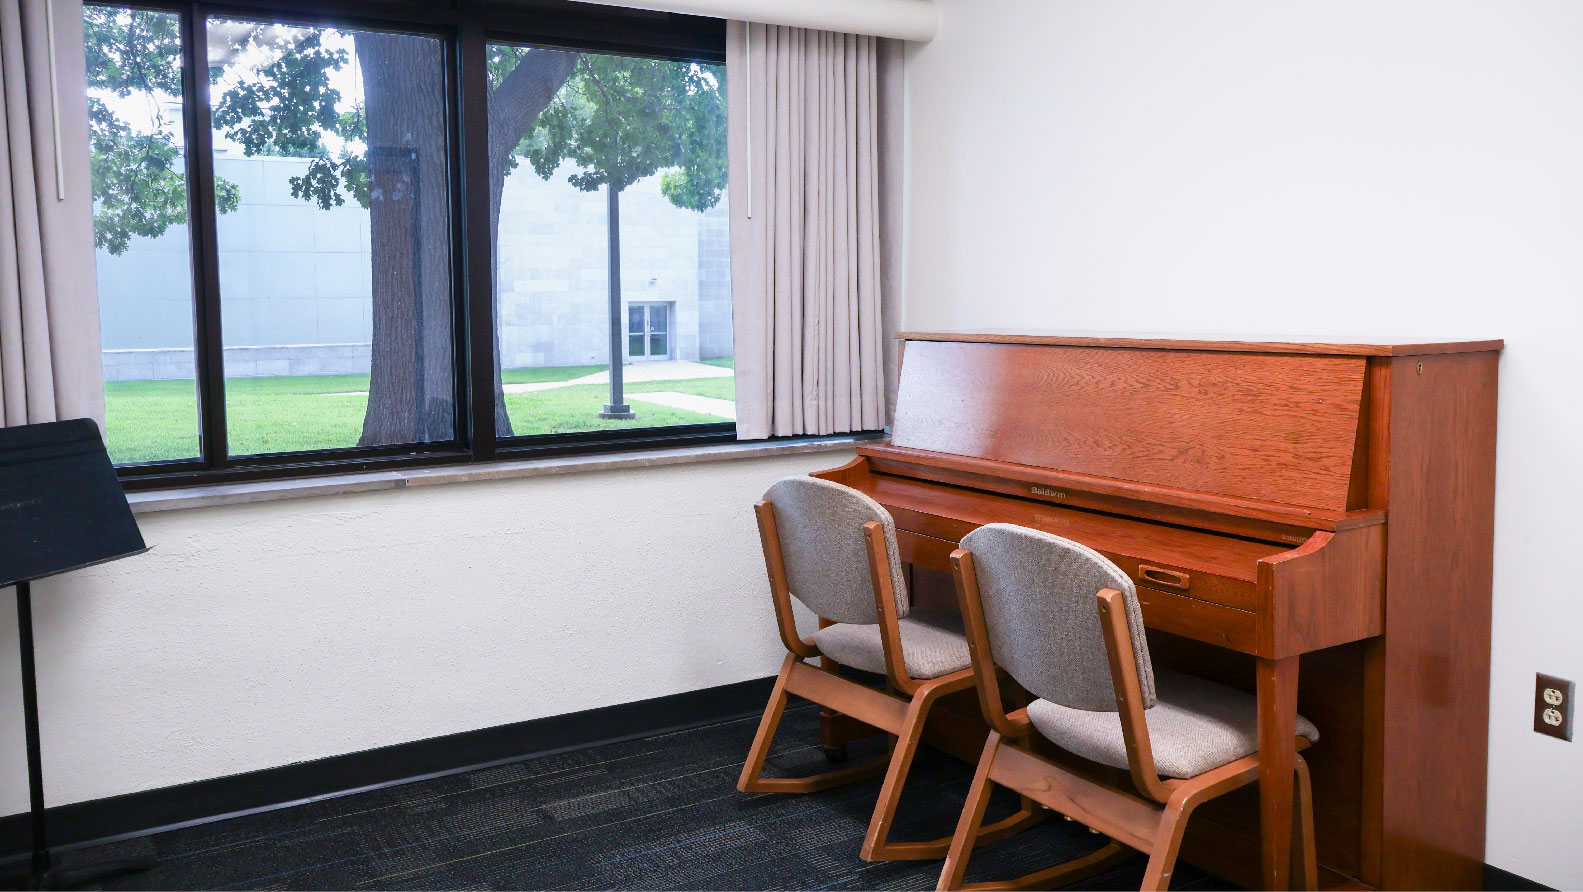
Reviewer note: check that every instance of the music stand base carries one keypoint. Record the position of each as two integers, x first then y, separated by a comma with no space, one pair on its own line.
80,875
92,872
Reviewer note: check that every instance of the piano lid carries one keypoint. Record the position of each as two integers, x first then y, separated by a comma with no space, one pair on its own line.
1271,427
1232,343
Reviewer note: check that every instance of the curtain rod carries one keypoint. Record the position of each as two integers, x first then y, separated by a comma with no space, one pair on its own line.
915,20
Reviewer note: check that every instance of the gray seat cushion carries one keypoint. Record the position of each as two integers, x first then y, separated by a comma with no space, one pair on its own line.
1195,726
931,644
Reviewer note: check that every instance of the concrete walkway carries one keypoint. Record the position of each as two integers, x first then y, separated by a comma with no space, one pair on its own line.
704,405
636,373
632,373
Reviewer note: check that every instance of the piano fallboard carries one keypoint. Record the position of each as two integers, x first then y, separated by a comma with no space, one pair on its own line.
1205,585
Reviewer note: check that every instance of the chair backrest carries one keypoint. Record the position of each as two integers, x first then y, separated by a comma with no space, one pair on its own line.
825,550
1040,601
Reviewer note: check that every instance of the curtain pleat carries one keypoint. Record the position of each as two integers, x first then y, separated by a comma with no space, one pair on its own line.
806,215
50,365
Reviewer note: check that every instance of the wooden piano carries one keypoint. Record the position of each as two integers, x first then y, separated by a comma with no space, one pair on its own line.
1312,522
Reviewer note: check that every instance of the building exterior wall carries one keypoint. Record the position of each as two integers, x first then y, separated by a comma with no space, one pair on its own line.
296,280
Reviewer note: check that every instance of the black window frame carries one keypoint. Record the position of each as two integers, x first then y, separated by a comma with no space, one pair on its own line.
466,28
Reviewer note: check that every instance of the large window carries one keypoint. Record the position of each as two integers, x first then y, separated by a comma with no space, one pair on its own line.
309,255
335,266
139,164
611,208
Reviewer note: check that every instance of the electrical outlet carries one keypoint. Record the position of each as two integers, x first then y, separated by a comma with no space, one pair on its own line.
1553,706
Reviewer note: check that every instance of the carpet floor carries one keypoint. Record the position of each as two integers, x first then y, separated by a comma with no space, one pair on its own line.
657,813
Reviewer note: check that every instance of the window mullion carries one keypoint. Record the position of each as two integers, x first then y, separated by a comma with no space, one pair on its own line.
478,242
205,239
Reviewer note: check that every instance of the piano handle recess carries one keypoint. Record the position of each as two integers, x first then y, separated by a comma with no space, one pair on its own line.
1160,576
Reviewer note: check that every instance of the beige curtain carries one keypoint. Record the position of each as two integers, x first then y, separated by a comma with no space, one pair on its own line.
50,367
807,269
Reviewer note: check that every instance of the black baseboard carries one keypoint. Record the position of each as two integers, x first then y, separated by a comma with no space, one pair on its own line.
1497,880
133,814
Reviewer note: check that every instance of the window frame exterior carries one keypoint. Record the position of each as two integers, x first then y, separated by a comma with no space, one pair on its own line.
466,28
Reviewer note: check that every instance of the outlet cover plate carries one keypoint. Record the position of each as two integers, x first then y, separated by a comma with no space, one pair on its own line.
1553,706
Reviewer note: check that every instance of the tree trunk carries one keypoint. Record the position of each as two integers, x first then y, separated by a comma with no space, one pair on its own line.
411,394
513,105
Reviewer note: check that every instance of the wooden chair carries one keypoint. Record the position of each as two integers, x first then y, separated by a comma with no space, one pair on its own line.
834,549
1028,603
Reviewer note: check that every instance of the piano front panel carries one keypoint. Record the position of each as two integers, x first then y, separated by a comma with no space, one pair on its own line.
1200,618
1280,428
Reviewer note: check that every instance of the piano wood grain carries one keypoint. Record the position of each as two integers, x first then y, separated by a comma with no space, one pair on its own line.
1251,518
1377,531
1200,341
1273,427
947,512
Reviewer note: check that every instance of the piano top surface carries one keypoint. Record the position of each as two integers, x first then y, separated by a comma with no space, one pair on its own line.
1226,342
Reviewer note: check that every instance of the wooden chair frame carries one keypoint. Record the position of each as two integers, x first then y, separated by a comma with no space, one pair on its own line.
1153,823
901,711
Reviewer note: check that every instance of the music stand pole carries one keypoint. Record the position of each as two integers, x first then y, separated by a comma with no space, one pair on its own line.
35,758
41,876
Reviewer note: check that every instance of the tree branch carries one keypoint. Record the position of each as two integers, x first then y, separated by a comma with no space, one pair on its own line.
525,92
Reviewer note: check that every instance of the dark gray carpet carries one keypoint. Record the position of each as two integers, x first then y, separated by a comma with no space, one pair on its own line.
659,813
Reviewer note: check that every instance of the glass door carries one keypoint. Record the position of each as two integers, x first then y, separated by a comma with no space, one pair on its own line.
648,331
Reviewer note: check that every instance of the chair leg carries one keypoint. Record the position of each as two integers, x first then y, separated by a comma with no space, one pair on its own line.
1306,867
906,746
1167,843
752,782
767,727
967,827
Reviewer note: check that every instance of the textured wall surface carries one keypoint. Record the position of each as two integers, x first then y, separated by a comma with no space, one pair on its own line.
1352,169
264,634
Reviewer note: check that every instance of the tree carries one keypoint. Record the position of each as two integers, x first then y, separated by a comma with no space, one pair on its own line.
620,119
139,184
287,105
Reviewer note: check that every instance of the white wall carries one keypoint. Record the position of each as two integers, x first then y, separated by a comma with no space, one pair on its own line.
1304,169
259,635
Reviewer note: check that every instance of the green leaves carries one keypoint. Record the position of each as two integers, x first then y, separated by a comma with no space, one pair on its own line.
620,119
132,51
138,175
285,104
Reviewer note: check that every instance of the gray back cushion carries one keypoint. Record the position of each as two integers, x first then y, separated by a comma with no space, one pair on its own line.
1039,593
822,541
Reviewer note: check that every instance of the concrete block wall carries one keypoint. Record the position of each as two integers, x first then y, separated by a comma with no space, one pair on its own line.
291,272
714,283
296,279
552,268
170,363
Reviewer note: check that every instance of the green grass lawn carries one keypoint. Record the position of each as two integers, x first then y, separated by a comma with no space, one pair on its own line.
158,420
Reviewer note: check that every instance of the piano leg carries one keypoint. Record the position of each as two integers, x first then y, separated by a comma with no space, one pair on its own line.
1277,692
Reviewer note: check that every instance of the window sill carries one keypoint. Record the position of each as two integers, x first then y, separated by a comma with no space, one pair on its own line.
149,501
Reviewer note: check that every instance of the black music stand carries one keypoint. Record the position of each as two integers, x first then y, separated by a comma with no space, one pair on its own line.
61,508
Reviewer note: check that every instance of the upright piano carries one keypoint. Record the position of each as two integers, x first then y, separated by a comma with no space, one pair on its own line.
1312,522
